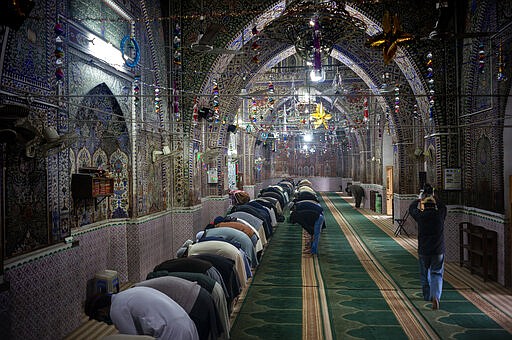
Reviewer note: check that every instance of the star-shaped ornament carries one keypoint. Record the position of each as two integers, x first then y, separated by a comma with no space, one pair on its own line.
321,117
391,36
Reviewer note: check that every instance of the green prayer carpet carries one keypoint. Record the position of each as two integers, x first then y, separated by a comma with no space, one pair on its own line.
272,308
457,319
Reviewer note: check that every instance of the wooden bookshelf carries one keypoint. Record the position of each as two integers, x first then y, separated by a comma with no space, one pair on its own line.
479,250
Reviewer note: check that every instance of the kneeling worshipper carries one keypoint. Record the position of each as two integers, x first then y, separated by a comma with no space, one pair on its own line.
225,249
263,206
193,265
309,215
233,222
254,222
233,235
143,311
194,299
274,204
259,213
225,267
212,287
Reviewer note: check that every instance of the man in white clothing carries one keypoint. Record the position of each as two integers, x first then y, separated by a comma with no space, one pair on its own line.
143,311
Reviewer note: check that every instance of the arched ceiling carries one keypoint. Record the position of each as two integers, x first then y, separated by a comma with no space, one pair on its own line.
244,24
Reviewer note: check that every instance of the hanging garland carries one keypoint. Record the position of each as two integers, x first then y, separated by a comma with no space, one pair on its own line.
136,91
481,57
255,46
365,110
177,45
133,43
216,104
430,82
59,51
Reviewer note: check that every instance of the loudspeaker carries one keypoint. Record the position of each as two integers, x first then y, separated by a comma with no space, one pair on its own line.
14,14
231,128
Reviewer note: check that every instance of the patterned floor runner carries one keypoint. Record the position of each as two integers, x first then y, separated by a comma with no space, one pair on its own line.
272,307
396,272
362,285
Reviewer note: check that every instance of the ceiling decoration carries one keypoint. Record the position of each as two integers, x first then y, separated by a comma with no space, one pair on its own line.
321,117
300,21
391,36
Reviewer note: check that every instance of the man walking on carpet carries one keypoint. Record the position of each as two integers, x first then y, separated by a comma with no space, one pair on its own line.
429,212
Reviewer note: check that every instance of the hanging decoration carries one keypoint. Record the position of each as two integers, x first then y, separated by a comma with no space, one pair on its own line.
59,51
321,117
215,92
129,42
157,100
481,58
317,52
387,122
176,102
501,64
365,110
176,44
255,46
136,91
397,99
391,37
270,95
430,83
254,110
195,113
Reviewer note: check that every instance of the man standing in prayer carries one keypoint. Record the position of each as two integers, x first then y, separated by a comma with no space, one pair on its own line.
429,212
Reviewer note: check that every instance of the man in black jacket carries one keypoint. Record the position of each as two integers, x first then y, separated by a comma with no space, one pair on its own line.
358,193
429,212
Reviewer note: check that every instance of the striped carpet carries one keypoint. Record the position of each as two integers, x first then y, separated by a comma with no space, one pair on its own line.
393,265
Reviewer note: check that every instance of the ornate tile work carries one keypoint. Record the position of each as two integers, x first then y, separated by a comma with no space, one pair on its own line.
120,203
26,210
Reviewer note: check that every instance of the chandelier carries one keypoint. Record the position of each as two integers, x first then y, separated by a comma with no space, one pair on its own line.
314,27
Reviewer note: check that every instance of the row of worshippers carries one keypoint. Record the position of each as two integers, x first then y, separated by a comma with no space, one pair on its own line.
306,210
193,295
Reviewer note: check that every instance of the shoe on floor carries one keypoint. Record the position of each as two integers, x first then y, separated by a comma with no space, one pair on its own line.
435,303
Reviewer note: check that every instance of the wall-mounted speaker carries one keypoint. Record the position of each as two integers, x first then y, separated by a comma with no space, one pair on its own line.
231,128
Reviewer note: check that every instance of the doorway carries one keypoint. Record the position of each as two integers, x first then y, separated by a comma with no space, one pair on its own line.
389,190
